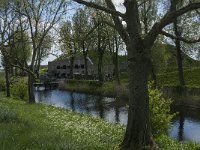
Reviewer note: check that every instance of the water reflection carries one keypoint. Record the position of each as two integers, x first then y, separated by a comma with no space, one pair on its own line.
185,126
103,107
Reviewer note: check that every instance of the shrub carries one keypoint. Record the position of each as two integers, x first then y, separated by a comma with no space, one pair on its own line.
20,90
160,115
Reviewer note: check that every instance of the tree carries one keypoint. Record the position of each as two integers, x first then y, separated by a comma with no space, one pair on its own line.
100,38
115,44
68,43
83,31
7,19
178,28
138,131
20,49
41,17
43,52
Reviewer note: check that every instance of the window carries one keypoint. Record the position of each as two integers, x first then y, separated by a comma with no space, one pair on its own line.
76,66
82,66
58,67
64,67
63,75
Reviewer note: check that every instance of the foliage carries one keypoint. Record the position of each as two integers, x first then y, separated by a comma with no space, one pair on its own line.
43,71
21,52
20,89
160,116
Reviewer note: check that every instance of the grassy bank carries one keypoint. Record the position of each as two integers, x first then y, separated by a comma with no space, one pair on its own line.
192,79
191,76
94,87
25,126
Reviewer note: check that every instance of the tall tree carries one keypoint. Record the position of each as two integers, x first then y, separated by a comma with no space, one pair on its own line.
43,52
83,32
41,17
115,44
101,39
138,132
179,26
7,19
68,43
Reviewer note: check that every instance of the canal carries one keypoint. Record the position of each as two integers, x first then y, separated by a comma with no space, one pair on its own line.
185,126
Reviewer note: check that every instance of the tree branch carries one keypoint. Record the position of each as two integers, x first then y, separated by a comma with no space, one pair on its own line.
167,19
96,6
189,41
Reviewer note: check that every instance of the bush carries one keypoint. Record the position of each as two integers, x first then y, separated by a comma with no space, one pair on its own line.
160,115
20,90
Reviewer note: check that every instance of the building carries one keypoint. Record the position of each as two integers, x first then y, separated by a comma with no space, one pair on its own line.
61,68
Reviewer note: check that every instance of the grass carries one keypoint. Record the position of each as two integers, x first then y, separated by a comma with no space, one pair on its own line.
36,127
105,89
25,126
191,76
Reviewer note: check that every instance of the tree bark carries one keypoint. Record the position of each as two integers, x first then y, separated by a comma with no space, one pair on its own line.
138,132
31,80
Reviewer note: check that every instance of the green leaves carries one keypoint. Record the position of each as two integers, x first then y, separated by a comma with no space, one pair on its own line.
160,115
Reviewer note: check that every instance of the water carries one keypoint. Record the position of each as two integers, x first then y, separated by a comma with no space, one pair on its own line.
185,126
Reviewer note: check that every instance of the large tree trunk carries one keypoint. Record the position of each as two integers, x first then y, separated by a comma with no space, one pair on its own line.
7,81
138,132
31,80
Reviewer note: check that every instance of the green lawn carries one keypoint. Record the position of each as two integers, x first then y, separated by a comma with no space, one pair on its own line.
191,76
25,126
40,127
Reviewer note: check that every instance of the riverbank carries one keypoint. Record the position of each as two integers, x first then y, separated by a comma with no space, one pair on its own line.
109,89
182,96
37,126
